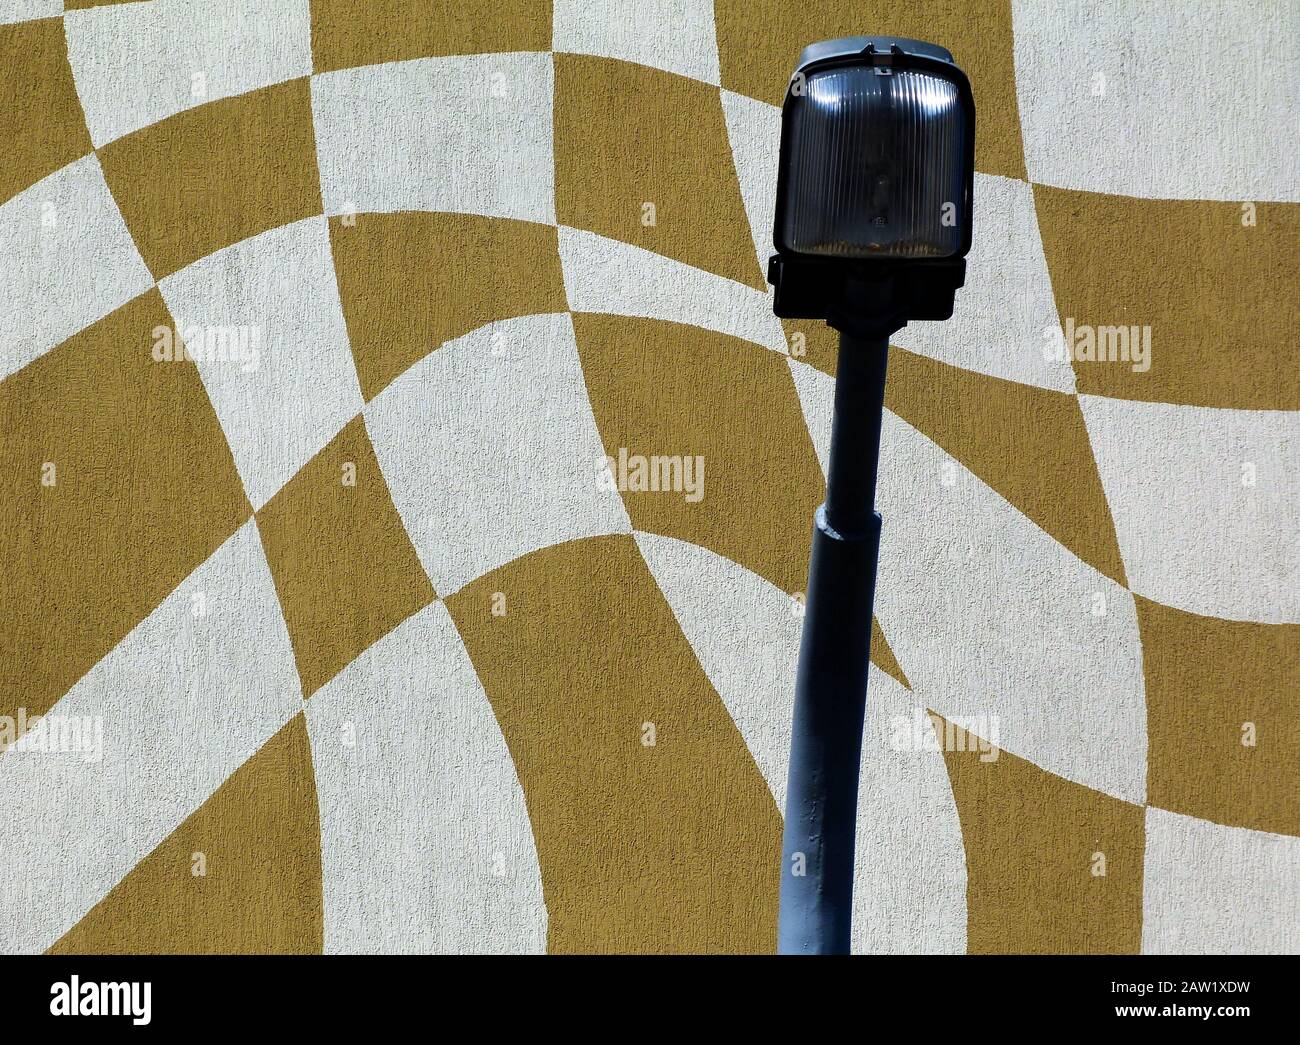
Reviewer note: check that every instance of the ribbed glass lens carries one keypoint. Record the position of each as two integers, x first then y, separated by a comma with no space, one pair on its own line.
875,165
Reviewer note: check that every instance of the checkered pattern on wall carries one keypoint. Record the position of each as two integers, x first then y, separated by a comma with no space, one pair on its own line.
325,629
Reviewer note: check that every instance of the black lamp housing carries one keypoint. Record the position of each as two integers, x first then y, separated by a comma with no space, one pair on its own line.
874,189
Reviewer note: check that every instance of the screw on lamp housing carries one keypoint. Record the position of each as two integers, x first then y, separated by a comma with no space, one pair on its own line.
873,224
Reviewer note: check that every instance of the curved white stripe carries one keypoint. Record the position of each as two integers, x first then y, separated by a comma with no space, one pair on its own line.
909,891
754,133
66,261
491,451
426,844
817,400
183,701
136,64
606,276
993,619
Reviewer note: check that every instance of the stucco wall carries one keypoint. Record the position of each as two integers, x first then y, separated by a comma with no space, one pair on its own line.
358,648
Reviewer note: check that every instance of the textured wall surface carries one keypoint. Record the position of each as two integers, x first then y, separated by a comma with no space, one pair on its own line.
327,627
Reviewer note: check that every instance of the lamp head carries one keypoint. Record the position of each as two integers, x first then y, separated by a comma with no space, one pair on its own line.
874,189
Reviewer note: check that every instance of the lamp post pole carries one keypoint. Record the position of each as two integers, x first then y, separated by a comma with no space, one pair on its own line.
831,691
873,223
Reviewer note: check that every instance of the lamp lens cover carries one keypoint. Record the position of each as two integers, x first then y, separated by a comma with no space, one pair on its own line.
875,164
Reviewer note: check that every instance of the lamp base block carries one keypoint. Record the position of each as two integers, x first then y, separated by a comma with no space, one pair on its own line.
864,298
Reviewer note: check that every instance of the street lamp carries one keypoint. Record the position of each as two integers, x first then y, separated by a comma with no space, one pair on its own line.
873,223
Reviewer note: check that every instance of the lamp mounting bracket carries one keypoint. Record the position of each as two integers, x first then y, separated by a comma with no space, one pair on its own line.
865,298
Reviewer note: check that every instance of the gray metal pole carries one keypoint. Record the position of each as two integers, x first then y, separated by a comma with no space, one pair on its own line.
831,691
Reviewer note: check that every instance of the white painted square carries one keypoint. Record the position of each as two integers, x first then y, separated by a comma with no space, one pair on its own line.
1004,322
677,36
614,278
295,385
66,260
28,10
470,135
491,450
426,844
989,616
1206,503
1191,100
136,64
1212,889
